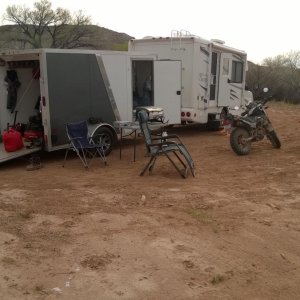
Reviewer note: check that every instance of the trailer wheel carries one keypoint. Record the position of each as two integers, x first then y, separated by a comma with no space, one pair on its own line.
104,135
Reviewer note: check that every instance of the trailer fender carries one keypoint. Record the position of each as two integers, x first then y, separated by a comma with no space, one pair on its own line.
104,133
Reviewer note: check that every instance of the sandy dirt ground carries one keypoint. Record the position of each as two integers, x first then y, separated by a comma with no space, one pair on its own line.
232,232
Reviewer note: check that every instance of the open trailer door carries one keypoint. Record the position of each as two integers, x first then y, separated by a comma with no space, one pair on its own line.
167,89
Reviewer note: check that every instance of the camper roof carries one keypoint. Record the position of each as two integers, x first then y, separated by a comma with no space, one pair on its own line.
216,43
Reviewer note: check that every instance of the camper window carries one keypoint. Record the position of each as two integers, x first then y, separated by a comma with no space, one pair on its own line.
237,72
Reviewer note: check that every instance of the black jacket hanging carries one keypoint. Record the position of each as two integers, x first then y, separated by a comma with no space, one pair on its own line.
12,89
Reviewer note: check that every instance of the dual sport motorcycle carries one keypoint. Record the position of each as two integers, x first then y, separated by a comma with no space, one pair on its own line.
252,126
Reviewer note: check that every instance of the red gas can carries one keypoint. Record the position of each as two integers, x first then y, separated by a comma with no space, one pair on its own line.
12,140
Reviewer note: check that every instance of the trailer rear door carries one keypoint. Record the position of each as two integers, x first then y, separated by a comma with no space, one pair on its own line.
167,89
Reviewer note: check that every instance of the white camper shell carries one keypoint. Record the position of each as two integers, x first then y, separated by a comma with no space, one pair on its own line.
213,74
75,85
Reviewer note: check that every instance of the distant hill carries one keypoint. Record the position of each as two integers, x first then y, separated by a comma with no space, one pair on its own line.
101,38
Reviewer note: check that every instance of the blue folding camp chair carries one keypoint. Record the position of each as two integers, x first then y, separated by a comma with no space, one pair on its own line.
165,145
82,144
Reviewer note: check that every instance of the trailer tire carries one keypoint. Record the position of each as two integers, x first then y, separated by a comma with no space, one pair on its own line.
105,136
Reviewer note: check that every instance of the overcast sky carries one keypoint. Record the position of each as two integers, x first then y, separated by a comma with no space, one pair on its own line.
262,28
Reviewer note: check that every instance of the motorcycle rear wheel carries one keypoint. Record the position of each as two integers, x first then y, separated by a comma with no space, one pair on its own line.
238,141
273,138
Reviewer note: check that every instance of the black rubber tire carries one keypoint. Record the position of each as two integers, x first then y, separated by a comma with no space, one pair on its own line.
213,125
216,125
106,136
237,143
272,136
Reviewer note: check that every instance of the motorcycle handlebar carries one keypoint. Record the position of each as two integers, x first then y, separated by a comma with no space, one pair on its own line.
256,103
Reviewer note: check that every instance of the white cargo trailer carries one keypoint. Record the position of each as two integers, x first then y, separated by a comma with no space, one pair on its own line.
74,85
213,74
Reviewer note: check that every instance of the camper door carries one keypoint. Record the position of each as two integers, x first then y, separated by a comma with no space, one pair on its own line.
230,80
167,89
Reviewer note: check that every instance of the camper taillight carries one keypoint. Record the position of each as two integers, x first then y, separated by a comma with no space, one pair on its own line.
183,114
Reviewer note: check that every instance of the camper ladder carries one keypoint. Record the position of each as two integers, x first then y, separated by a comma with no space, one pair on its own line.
178,34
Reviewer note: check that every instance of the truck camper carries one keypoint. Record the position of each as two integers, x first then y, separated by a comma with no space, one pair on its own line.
213,75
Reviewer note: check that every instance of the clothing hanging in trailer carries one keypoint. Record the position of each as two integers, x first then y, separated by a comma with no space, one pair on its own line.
12,89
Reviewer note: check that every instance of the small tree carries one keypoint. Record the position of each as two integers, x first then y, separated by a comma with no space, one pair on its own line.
281,74
285,69
45,27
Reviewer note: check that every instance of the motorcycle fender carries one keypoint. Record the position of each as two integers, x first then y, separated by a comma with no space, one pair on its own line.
245,126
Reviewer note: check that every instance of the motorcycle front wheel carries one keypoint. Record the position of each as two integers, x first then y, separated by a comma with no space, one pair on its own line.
273,138
238,141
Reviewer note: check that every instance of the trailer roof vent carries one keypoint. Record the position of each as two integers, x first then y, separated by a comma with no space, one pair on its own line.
218,41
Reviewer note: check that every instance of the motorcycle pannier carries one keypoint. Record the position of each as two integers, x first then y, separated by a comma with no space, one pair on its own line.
12,140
